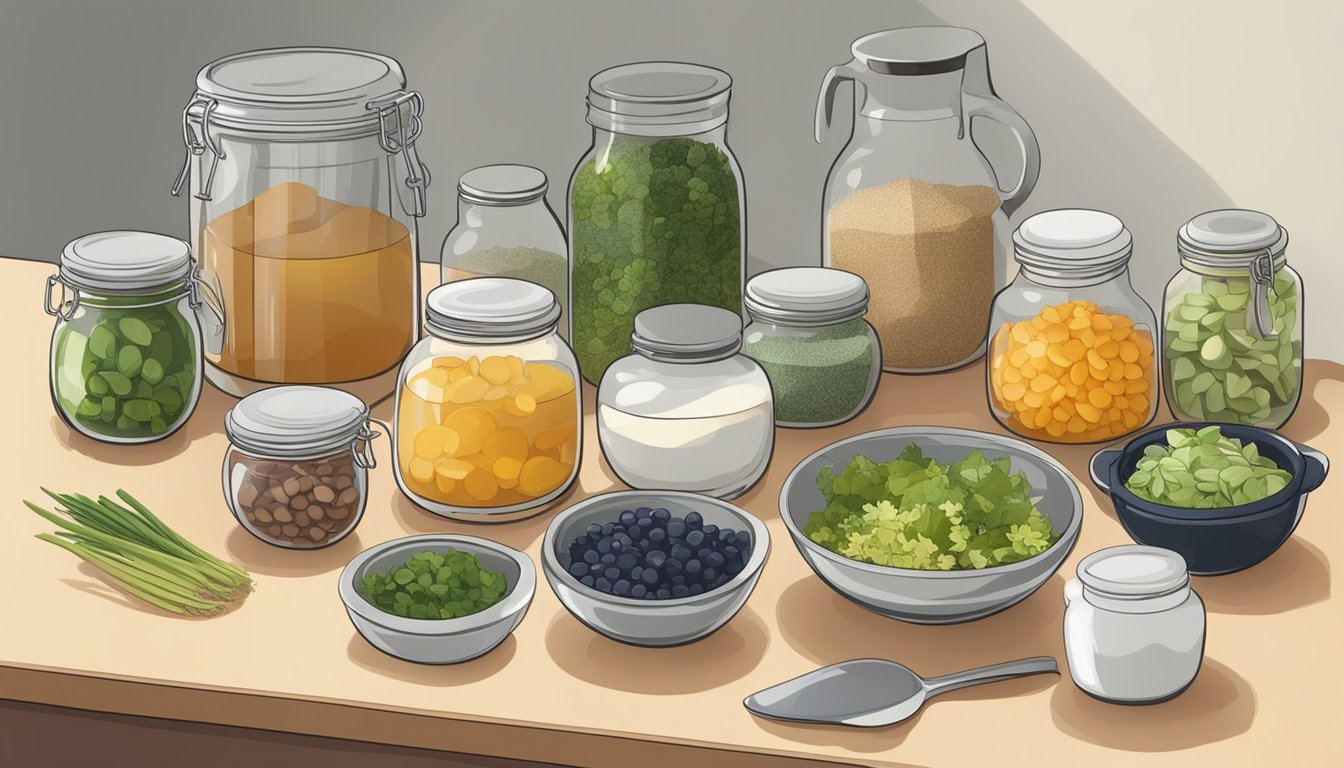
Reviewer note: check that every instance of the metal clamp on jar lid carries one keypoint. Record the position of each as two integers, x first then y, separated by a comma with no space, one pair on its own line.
687,333
659,98
122,262
1132,579
1072,246
502,185
1235,243
298,422
491,308
806,296
300,94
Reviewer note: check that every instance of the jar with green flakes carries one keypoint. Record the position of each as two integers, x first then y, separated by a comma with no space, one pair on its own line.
1232,322
126,351
656,207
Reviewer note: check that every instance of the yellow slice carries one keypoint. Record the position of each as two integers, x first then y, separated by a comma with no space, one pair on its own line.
522,404
454,469
428,385
422,470
510,442
546,382
481,485
434,441
495,369
541,475
448,361
467,390
471,425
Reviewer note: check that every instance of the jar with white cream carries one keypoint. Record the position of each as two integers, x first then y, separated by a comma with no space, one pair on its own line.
1133,629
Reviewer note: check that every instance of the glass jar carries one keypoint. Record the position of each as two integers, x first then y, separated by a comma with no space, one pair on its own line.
911,203
1232,322
296,473
1133,627
807,331
656,207
1071,356
305,189
126,351
687,411
488,417
505,228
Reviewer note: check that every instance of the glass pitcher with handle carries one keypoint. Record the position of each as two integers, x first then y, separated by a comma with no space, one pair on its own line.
912,204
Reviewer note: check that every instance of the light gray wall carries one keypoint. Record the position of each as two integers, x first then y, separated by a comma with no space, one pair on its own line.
90,96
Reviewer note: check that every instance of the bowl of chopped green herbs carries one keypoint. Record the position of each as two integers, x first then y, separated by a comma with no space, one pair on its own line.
1223,496
437,599
932,525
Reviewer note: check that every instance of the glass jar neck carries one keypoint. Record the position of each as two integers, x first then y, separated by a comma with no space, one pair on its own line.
604,138
1144,604
152,297
912,98
1067,279
472,214
439,332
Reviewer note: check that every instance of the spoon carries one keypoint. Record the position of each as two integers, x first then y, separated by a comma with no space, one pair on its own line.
874,692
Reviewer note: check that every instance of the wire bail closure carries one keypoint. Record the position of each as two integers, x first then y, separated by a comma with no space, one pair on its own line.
362,448
397,135
197,146
63,309
1262,277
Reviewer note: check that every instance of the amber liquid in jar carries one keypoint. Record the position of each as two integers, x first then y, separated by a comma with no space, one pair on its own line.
314,291
486,432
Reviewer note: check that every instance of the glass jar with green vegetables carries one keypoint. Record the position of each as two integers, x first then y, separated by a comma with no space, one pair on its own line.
656,207
126,351
808,332
1232,322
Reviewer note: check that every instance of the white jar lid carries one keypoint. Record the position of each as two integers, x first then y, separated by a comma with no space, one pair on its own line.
307,86
1231,238
686,333
297,421
1072,243
689,98
1133,571
125,261
807,295
502,184
491,307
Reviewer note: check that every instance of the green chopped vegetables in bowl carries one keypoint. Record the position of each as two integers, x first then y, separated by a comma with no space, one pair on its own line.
1205,470
433,585
913,512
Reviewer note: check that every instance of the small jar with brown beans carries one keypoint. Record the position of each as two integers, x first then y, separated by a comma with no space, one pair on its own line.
296,472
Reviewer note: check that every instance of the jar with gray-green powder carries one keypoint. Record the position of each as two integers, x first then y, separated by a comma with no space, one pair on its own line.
656,208
808,332
1232,322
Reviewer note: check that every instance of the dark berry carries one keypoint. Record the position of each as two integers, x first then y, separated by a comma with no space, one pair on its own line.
662,515
692,566
607,559
627,518
636,572
639,590
681,552
680,590
697,588
663,593
710,574
655,559
594,530
602,584
673,567
695,538
714,559
627,561
612,573
586,581
578,569
604,546
644,513
694,520
591,556
649,576
621,587
676,529
658,536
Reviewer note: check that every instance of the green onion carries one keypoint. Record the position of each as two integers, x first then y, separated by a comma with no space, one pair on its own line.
142,555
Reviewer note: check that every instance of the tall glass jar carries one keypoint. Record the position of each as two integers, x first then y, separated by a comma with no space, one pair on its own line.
488,414
656,206
687,411
505,228
126,350
807,331
1232,322
296,474
305,188
1071,355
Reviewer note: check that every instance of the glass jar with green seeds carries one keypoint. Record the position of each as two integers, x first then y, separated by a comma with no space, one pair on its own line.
1232,322
126,350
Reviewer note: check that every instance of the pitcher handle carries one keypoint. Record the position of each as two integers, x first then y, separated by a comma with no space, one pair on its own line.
826,99
998,111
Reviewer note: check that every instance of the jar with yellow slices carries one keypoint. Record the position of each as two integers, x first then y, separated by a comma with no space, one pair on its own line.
488,413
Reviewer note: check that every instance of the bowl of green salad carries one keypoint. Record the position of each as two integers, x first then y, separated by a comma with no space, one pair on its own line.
932,525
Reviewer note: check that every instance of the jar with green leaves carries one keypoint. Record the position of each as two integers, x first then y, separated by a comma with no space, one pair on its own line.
126,351
656,207
1232,322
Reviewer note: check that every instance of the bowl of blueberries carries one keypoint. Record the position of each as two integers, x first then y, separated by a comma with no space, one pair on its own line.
654,568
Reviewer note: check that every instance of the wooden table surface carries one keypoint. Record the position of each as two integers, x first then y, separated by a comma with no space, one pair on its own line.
289,660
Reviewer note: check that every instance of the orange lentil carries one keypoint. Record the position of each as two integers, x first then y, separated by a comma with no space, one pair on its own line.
1072,373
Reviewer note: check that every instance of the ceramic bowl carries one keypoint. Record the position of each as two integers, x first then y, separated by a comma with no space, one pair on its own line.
1213,541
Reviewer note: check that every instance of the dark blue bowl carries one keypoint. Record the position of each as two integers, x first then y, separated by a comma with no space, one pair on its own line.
1213,541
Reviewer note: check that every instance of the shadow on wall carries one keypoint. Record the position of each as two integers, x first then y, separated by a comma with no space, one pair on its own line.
1097,149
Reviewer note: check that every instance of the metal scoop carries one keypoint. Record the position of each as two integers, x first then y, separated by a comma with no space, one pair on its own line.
874,692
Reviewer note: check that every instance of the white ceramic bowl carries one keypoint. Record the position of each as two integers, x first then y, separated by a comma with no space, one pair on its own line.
655,623
439,641
934,597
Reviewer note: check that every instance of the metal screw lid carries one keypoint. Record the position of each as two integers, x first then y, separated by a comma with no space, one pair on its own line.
1072,244
502,185
1133,572
125,261
491,307
806,296
660,98
687,333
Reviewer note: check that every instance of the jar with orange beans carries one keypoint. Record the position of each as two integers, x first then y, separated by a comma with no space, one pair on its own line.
1071,354
488,412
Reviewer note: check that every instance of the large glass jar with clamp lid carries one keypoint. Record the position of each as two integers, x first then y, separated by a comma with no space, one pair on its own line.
305,187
